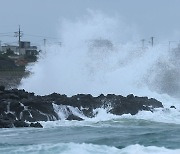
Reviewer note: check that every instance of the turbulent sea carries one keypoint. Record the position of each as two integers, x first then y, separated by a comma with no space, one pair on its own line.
119,135
98,55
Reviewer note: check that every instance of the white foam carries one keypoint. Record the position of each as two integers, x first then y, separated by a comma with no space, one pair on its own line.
104,119
100,115
164,115
71,148
133,149
171,116
63,111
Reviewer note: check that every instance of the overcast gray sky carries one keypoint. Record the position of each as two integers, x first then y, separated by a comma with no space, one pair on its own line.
159,18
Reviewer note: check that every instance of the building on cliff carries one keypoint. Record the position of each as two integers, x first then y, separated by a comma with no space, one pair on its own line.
24,48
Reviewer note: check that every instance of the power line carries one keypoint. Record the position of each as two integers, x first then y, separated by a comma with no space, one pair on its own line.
6,36
7,33
31,35
41,36
152,41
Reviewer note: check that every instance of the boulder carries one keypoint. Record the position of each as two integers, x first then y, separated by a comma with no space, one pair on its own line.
19,123
173,107
5,123
37,125
74,117
2,88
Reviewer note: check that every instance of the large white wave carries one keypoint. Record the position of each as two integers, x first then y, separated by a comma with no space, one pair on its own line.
100,54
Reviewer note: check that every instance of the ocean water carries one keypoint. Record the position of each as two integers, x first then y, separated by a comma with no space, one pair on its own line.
101,54
116,136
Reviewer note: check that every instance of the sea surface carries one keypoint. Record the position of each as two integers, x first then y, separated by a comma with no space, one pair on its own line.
104,134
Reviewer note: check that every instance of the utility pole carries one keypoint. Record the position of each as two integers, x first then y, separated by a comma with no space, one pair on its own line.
19,34
0,46
143,41
169,45
44,42
152,41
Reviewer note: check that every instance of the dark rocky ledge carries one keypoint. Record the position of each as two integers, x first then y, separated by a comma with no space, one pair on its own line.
19,108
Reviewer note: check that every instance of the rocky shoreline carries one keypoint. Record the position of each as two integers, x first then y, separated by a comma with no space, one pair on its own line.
19,108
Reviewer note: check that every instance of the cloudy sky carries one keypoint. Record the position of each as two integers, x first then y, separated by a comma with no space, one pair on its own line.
41,18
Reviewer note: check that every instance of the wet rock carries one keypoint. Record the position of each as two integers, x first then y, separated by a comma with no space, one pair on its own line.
19,123
173,107
132,105
131,96
5,123
2,88
74,117
19,106
40,110
10,116
37,125
3,106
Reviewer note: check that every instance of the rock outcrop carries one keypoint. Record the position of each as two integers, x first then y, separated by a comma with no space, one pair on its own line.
19,108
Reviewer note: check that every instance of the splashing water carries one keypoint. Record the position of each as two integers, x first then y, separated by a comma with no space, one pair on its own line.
98,55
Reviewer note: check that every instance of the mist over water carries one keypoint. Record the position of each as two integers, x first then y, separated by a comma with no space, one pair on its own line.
100,54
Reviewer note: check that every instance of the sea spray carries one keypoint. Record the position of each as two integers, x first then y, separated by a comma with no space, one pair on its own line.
98,55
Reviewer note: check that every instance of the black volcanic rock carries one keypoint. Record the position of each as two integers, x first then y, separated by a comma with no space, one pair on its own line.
19,123
37,125
8,122
5,123
133,105
2,88
19,106
74,117
172,107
